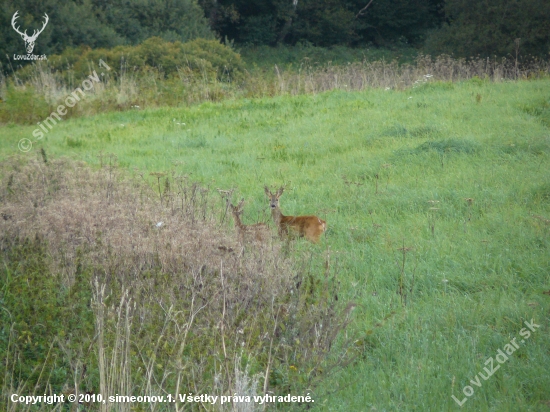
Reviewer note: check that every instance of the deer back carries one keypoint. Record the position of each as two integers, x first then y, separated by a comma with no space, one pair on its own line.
311,227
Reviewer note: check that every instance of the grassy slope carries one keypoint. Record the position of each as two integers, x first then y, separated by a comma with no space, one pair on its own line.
479,273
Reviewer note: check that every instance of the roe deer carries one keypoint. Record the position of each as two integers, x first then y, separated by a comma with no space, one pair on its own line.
310,227
258,232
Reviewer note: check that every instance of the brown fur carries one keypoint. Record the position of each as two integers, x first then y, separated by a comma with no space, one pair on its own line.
310,227
258,232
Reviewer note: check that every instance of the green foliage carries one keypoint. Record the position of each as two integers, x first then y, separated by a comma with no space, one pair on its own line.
226,63
23,105
259,30
200,56
136,21
97,24
323,22
71,24
389,22
493,27
305,54
39,317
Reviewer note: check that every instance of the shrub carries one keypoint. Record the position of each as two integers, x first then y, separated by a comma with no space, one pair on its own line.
223,59
198,56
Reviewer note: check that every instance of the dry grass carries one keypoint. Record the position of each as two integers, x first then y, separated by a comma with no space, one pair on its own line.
382,74
177,306
71,206
43,89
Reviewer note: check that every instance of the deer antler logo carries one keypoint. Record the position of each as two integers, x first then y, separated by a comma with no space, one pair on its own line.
29,40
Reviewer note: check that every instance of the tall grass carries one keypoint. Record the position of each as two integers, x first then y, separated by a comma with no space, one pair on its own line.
147,292
44,89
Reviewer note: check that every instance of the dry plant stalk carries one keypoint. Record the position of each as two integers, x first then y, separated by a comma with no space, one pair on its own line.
128,90
176,295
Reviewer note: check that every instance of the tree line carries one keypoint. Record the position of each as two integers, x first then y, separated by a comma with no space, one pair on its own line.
462,28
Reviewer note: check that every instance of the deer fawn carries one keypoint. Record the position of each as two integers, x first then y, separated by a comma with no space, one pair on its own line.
258,232
310,227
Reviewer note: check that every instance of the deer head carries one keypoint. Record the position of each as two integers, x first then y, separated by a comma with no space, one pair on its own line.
237,210
274,198
29,40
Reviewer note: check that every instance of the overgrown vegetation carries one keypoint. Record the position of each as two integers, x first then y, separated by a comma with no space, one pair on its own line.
118,286
159,73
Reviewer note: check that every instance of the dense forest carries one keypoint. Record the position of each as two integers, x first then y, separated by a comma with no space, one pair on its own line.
462,28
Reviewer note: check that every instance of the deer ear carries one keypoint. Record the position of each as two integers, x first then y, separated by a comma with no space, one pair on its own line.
267,192
280,191
241,203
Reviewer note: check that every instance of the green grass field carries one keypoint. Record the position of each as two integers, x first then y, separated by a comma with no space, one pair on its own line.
437,200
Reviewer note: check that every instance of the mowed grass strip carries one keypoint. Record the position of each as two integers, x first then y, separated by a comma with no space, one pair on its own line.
437,201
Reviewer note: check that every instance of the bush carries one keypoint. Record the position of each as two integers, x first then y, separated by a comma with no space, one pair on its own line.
227,64
198,56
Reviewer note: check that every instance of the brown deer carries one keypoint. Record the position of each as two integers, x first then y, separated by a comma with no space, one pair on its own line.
258,232
310,227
